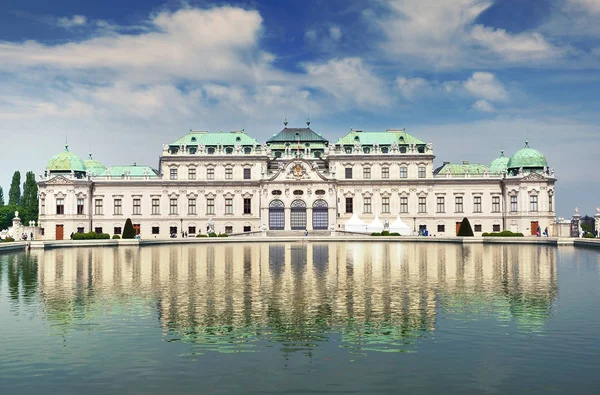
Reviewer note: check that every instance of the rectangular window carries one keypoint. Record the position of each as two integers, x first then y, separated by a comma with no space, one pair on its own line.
137,206
155,206
496,228
385,204
247,175
514,206
533,203
367,205
385,172
80,230
117,230
441,228
441,207
229,229
229,173
191,173
118,209
349,204
477,204
210,206
348,173
98,230
422,171
247,206
404,204
60,206
403,172
228,206
495,204
458,204
247,228
155,230
98,208
80,206
173,206
210,173
366,172
477,227
550,201
42,206
422,205
173,231
173,174
191,230
192,206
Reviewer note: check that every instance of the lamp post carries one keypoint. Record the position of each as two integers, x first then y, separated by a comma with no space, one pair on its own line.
414,225
181,228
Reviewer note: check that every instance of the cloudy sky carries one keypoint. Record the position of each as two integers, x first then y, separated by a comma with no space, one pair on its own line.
120,78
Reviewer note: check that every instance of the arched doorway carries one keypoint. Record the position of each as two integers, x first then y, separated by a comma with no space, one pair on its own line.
276,215
320,216
298,215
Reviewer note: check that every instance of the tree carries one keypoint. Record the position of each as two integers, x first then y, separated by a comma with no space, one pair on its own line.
14,194
465,228
29,201
1,197
128,231
7,213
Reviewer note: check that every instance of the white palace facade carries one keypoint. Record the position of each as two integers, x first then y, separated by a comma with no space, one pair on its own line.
295,181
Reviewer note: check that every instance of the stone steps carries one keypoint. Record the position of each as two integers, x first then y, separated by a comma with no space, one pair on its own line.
297,233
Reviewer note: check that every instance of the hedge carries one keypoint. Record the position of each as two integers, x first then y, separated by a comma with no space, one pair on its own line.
212,234
7,240
90,236
223,235
200,235
504,233
116,237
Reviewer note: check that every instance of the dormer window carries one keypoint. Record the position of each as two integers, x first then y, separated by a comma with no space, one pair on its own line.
238,138
228,150
356,138
193,139
348,150
211,150
421,149
366,150
247,150
403,150
384,150
298,192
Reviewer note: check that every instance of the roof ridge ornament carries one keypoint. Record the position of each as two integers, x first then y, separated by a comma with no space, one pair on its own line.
526,143
285,122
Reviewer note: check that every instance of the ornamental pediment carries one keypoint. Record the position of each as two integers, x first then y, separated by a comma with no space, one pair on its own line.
534,177
60,180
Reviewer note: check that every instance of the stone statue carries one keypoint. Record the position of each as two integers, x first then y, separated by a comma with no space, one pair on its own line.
238,148
16,214
210,225
386,224
576,210
394,146
429,146
597,210
201,148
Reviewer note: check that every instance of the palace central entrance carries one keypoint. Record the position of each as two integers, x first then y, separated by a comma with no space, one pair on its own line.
320,215
276,215
298,215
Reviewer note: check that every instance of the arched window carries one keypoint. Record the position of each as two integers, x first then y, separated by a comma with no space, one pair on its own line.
298,215
298,192
276,192
228,150
320,216
276,215
247,150
384,150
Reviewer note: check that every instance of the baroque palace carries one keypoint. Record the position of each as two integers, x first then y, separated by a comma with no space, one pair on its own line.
296,180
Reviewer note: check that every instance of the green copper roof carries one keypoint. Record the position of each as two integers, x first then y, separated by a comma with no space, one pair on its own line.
458,168
527,158
223,138
294,134
131,171
381,138
65,161
500,164
94,167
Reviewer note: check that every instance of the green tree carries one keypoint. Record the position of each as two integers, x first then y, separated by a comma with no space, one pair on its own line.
465,228
7,213
29,201
14,194
128,231
1,197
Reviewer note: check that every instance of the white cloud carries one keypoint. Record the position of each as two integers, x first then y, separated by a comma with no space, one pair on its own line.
592,6
443,34
74,21
349,81
483,106
486,86
411,87
335,33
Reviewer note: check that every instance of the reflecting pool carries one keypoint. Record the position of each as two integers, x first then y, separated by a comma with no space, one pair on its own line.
301,318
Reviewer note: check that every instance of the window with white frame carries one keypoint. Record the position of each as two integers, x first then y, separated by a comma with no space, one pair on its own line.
210,173
210,206
550,202
247,174
367,205
155,206
349,205
173,206
348,173
403,172
458,204
247,206
228,205
385,172
229,173
173,174
495,204
60,206
191,173
80,203
137,206
118,204
533,203
98,207
385,204
192,206
477,204
422,171
366,172
514,206
441,207
422,204
404,204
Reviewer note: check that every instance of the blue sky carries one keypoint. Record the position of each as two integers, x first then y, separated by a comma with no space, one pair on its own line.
120,78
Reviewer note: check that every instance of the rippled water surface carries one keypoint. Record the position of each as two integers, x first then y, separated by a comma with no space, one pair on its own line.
301,318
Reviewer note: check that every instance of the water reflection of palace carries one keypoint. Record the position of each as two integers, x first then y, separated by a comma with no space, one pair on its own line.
302,291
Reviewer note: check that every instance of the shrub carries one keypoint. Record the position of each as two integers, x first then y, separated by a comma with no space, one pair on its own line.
394,234
465,228
128,231
385,233
375,234
116,237
200,235
7,240
504,233
90,236
223,235
212,234
485,234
